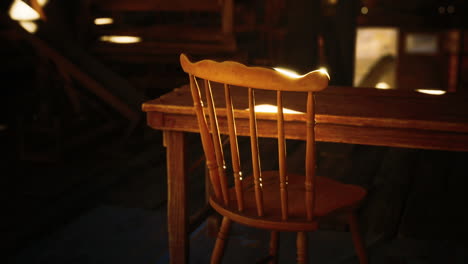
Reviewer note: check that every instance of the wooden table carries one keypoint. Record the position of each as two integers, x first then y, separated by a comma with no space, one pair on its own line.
344,114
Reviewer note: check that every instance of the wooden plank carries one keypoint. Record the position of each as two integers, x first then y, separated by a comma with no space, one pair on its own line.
157,5
168,33
151,48
347,106
195,27
404,138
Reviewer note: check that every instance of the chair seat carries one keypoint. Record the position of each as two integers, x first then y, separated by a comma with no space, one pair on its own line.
331,197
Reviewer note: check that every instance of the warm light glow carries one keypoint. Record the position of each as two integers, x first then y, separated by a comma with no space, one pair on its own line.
432,92
29,26
295,75
267,108
382,85
375,47
42,2
121,39
103,21
288,72
324,70
364,10
19,10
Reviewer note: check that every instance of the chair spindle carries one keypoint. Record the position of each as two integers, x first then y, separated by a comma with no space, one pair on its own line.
237,173
274,245
282,158
310,158
301,245
205,137
217,143
255,154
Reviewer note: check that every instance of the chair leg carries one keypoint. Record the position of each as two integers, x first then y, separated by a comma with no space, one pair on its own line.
301,244
221,241
274,244
357,239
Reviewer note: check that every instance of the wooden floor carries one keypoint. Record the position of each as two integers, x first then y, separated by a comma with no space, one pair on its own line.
105,203
132,235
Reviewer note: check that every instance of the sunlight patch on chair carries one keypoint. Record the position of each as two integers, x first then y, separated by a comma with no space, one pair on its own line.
295,75
288,72
324,70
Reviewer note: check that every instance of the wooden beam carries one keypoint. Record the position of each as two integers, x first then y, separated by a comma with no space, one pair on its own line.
158,5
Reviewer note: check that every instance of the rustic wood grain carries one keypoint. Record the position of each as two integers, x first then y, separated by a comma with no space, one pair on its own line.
216,139
254,77
274,245
267,203
282,158
221,241
357,238
255,153
177,197
210,157
301,245
236,168
310,157
343,114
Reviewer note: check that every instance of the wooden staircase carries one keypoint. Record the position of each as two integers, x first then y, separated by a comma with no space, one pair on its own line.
166,29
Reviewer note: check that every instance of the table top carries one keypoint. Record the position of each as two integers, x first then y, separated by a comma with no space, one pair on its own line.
400,111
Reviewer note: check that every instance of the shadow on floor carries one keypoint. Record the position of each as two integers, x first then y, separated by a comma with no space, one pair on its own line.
128,235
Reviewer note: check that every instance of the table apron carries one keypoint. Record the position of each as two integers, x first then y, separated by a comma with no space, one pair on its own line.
339,133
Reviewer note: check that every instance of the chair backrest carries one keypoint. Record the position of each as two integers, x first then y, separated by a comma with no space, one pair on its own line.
235,74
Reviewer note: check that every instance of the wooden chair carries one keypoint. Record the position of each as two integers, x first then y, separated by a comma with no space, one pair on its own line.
272,200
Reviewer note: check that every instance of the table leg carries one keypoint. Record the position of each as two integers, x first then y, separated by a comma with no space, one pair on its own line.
177,197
